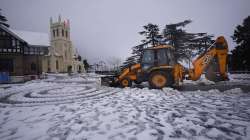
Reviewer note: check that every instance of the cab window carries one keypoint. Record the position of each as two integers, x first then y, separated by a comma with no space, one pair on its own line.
162,57
170,56
148,56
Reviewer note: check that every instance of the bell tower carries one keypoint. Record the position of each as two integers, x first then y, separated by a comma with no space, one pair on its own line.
59,29
61,46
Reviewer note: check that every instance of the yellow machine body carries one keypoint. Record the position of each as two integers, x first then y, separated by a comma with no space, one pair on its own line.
160,75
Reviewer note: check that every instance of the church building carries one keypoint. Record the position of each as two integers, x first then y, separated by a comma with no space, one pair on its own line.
62,55
26,55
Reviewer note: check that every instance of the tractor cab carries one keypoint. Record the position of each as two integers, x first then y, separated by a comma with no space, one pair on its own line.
160,56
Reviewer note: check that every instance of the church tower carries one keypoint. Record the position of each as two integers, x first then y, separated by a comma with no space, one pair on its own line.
59,30
61,46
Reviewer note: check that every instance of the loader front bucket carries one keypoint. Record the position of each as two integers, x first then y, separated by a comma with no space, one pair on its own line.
109,81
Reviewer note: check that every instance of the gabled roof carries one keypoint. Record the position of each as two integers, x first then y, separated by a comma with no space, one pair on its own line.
33,38
12,33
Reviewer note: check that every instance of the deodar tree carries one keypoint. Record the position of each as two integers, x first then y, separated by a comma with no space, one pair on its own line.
3,20
151,34
187,45
240,54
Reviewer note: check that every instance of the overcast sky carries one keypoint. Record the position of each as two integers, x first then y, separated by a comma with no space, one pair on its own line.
101,29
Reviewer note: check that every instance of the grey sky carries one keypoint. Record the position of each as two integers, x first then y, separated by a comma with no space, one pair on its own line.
101,29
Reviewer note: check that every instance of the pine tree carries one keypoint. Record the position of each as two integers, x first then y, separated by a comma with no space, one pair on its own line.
197,45
137,52
86,64
79,58
200,43
152,35
187,45
3,20
152,38
176,36
240,55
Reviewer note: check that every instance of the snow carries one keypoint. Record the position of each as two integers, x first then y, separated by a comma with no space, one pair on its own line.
242,79
201,81
33,38
77,107
214,133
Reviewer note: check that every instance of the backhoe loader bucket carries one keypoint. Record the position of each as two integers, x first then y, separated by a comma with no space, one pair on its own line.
212,72
217,71
109,81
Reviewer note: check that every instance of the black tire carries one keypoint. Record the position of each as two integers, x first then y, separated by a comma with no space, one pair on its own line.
137,82
126,82
159,80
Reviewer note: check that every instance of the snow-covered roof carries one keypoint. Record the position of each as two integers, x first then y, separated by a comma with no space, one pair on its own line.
10,32
33,38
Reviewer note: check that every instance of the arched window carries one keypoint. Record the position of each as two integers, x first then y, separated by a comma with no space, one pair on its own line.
57,32
62,32
54,33
57,65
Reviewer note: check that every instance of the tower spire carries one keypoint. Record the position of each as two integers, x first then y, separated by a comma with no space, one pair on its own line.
51,20
68,22
59,18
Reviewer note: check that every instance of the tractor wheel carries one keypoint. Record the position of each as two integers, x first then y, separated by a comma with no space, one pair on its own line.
158,80
126,82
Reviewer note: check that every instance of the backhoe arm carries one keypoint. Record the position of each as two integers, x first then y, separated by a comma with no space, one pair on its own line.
217,51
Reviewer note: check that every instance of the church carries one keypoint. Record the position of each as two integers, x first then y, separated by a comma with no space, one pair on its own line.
62,56
25,55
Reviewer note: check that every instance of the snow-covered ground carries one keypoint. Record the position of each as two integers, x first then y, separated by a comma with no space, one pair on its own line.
77,107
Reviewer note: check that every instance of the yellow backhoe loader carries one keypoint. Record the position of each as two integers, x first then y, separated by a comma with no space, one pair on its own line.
159,68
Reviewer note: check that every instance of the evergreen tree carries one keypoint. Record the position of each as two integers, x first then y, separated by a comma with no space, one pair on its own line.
240,55
152,35
200,43
86,64
187,45
3,20
152,38
79,58
176,36
137,52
